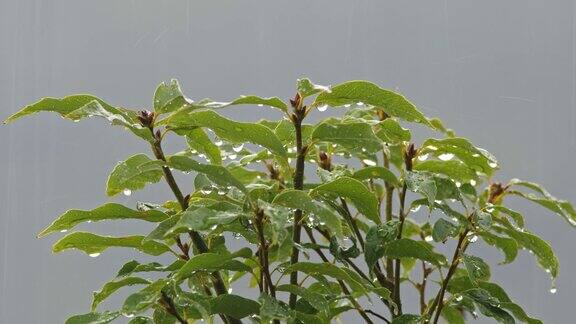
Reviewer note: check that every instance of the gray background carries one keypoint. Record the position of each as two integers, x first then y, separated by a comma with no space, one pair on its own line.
499,72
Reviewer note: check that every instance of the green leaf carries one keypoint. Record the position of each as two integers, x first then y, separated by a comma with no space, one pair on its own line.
407,319
234,305
330,270
516,216
160,231
76,107
134,266
357,192
297,199
200,219
316,300
482,219
452,315
473,157
273,102
489,306
560,207
422,183
133,174
271,309
541,249
444,229
110,287
478,270
352,92
109,211
306,88
227,129
209,261
93,244
218,174
455,170
407,248
507,245
376,239
93,318
390,131
141,320
143,299
169,97
349,135
198,140
376,172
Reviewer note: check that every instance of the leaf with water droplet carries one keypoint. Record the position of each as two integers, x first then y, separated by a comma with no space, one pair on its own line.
110,287
93,318
133,174
91,243
349,135
109,211
364,200
218,174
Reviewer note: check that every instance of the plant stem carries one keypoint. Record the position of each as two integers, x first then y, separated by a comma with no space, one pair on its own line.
438,301
345,290
263,255
171,308
298,116
389,196
197,239
397,274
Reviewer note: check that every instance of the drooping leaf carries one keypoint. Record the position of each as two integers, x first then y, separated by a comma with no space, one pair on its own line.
316,300
298,199
376,239
349,135
76,107
407,248
489,306
110,287
272,309
93,244
452,315
141,320
376,172
407,319
390,131
478,270
357,192
507,245
234,305
143,299
201,219
109,211
134,266
443,229
133,174
198,140
227,129
93,318
219,174
352,92
560,207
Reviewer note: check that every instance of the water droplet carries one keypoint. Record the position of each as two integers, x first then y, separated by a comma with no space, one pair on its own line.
432,147
312,161
64,231
369,162
218,142
458,184
472,182
428,238
127,192
473,239
360,103
415,208
493,164
238,148
221,192
93,255
553,290
459,298
129,315
346,244
547,270
206,190
347,105
446,156
322,108
423,157
232,156
230,290
363,149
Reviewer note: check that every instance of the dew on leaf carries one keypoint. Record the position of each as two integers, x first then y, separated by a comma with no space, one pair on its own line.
446,156
127,192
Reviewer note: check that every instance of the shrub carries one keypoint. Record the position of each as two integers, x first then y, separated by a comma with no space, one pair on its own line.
326,215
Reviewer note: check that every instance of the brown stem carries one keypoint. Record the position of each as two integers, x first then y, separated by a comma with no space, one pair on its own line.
439,300
170,307
297,118
397,274
197,239
389,195
263,255
345,290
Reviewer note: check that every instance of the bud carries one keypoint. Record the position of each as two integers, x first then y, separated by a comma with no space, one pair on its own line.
296,102
409,155
146,118
495,192
381,114
324,161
